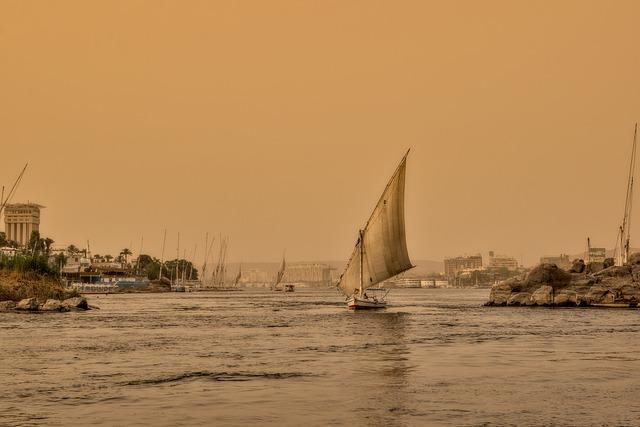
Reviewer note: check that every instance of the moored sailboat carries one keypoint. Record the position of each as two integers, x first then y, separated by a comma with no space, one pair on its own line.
381,250
623,241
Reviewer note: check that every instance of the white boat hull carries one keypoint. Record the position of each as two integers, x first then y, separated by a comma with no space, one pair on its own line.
358,303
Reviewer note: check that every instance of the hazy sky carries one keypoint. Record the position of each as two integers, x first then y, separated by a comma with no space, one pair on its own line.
278,123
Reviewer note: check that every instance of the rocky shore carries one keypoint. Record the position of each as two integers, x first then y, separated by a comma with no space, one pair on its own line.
50,305
583,285
32,292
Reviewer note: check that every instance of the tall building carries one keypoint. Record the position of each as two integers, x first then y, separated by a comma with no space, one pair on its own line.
20,220
454,265
502,261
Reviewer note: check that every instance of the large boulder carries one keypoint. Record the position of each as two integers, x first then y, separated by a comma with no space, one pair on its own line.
629,292
520,298
53,305
566,297
594,267
7,305
599,294
578,266
28,304
615,271
634,259
543,295
499,294
635,273
547,274
77,303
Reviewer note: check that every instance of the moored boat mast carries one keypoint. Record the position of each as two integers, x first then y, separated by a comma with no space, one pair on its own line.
623,246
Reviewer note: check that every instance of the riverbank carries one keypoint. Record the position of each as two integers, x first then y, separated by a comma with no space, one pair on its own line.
584,285
30,291
16,286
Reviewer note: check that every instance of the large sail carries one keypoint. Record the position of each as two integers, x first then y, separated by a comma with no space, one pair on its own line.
238,276
382,243
280,273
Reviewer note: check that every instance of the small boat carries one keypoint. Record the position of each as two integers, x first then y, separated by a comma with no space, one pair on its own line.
289,287
381,250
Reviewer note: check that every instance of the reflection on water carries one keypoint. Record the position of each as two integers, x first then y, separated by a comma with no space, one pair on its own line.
435,357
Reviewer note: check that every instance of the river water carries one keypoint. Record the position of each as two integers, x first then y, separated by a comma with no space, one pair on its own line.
435,357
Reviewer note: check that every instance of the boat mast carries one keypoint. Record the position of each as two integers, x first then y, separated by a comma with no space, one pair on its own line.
625,229
184,266
195,248
177,259
627,247
361,261
164,240
588,255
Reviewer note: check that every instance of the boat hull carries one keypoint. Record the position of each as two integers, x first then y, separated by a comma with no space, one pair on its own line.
357,303
615,305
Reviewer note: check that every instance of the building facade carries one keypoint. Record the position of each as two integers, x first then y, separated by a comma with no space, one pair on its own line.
453,265
312,274
502,261
20,220
597,255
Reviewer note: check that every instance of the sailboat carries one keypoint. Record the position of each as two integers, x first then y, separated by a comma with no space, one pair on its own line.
220,272
381,250
238,277
279,276
623,240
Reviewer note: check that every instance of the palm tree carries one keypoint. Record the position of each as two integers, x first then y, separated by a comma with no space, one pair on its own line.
125,253
47,245
108,258
72,249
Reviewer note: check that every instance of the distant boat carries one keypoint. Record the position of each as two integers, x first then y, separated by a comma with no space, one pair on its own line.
238,277
279,276
381,250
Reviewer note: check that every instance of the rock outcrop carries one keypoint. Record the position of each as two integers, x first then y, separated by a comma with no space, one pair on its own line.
592,284
7,305
578,266
27,304
50,305
53,305
77,303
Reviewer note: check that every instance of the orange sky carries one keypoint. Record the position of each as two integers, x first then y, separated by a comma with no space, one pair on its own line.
278,123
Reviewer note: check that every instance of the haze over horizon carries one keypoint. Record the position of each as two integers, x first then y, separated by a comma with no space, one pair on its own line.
279,123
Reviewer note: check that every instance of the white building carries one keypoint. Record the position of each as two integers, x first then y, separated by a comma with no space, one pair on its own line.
20,220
